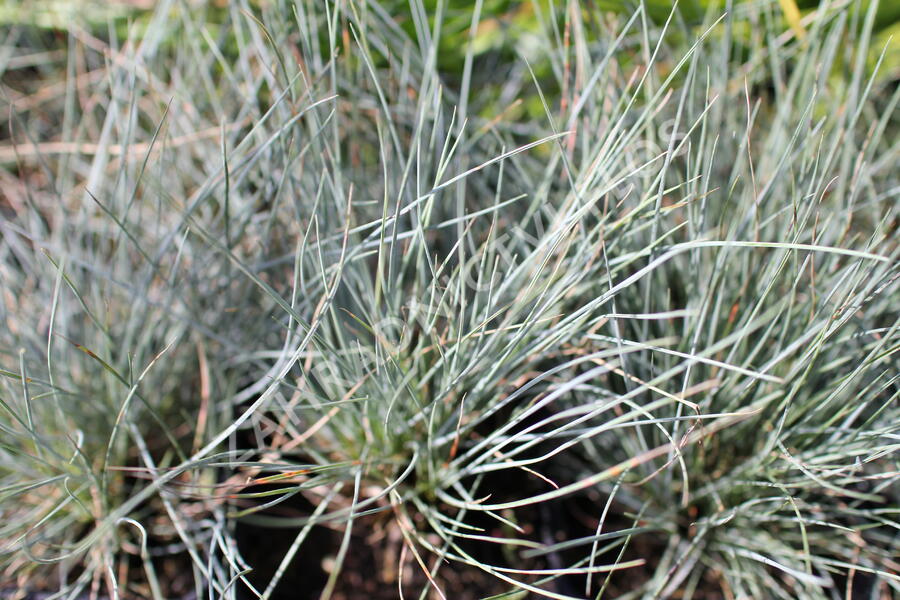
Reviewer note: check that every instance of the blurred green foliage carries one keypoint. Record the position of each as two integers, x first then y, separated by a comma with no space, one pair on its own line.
58,13
504,26
499,36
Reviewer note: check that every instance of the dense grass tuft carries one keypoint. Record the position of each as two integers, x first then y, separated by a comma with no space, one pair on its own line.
296,304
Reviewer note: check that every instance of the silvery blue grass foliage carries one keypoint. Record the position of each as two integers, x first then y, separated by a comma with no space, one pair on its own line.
614,317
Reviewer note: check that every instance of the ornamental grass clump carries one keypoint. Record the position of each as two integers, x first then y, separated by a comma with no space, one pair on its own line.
296,307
